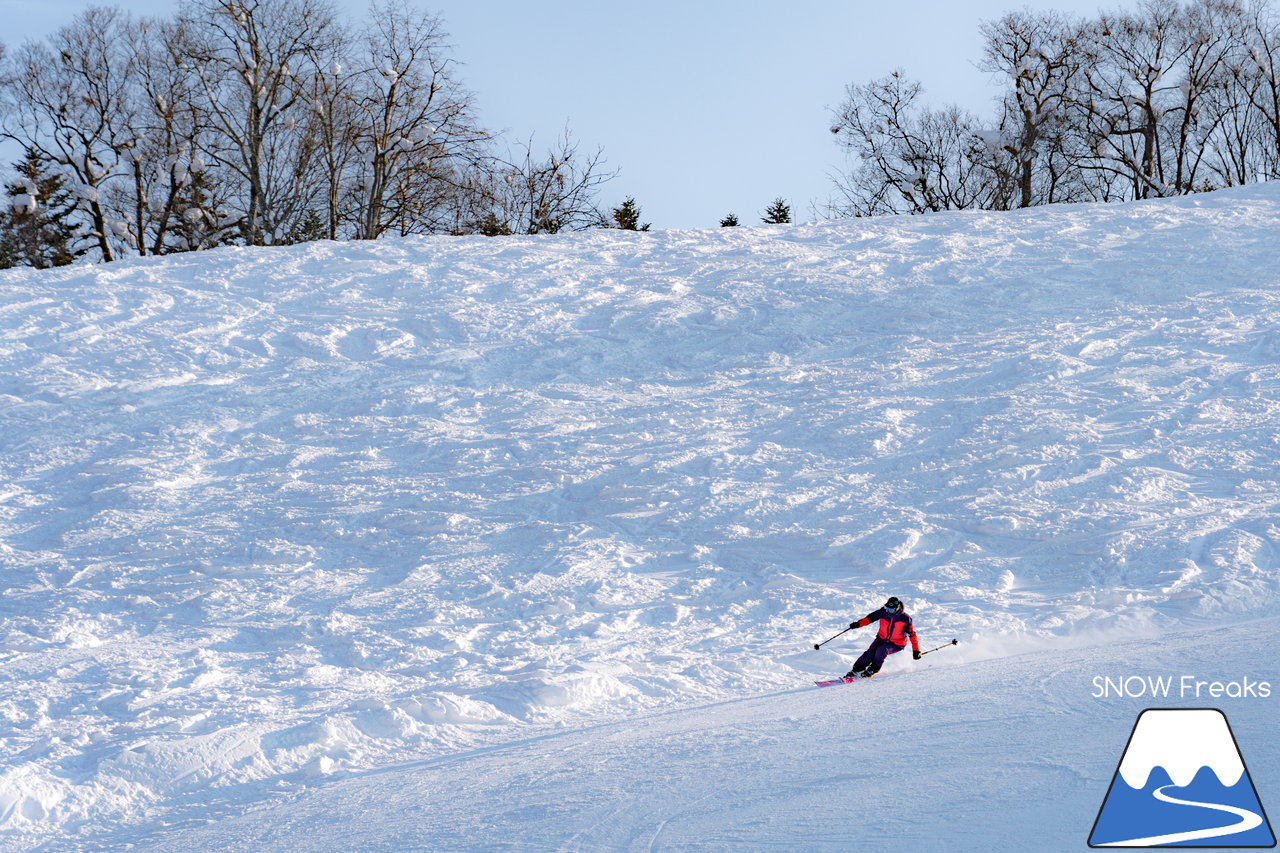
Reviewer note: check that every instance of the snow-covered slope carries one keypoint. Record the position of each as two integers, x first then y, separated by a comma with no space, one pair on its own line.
999,756
271,516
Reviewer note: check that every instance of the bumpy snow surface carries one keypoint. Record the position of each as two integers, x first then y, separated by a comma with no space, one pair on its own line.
277,521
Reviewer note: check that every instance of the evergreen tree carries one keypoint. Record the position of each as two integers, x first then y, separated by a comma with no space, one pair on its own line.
778,213
37,223
312,227
491,225
196,223
628,216
729,221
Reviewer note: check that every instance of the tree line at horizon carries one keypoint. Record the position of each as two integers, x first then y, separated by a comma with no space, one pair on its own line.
1164,99
269,122
264,122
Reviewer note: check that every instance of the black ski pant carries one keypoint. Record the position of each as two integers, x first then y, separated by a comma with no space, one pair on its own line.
875,655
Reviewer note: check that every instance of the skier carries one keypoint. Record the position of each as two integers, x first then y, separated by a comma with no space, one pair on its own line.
895,628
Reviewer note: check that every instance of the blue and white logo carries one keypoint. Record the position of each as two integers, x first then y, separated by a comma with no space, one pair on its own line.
1182,782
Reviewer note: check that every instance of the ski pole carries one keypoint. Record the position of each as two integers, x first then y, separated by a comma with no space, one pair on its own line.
824,642
943,646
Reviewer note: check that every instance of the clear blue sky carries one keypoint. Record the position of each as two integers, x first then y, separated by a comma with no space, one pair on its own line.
705,106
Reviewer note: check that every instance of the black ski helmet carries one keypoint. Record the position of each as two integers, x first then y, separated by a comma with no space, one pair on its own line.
893,605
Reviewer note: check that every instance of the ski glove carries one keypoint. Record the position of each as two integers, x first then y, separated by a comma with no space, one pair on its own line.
853,625
915,655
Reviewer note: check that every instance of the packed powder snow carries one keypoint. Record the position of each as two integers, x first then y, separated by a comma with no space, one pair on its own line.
273,516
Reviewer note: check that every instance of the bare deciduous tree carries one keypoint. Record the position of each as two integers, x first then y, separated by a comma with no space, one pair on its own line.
415,124
70,101
1037,55
332,124
530,194
1128,86
247,56
913,159
1262,76
169,200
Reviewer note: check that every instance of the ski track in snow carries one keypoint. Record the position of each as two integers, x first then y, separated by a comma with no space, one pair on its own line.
271,516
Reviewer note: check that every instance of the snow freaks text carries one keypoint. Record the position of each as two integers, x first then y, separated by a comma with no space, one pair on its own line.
1181,687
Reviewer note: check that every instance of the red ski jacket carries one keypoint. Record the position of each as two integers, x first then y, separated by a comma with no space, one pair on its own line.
895,628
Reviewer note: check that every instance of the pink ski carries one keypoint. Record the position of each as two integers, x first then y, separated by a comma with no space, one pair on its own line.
832,681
